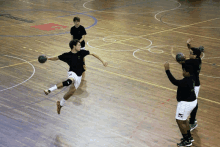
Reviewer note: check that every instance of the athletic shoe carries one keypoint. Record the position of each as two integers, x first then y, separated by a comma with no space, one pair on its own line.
184,143
195,121
190,139
193,126
58,107
46,92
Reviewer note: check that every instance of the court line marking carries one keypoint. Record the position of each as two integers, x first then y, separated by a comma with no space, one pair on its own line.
211,57
173,24
138,80
126,5
75,13
196,35
155,16
120,43
155,53
164,31
149,47
152,84
26,79
141,81
17,64
209,76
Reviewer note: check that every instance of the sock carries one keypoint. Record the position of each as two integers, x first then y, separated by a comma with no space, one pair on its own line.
53,88
185,136
62,101
188,133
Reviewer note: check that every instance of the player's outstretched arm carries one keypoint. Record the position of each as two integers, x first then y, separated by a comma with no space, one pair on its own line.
188,43
174,57
103,62
169,75
53,58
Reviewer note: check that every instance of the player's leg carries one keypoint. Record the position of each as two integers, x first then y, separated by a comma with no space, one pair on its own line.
193,121
59,86
72,89
84,66
61,103
182,113
84,73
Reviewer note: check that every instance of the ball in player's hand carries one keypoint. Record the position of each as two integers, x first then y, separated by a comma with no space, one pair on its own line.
42,58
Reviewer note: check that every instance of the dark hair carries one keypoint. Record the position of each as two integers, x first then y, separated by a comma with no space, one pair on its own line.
76,19
197,52
180,57
189,69
73,43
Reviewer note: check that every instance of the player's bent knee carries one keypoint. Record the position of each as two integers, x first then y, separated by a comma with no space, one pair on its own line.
67,82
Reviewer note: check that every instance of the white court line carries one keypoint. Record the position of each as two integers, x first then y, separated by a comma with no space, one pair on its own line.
210,76
211,58
178,25
103,39
154,53
155,16
23,81
170,63
123,13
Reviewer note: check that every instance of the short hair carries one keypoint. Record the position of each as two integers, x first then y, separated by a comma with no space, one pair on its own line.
201,48
198,51
179,57
73,43
76,19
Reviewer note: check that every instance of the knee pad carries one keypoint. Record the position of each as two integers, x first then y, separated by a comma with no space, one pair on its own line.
67,82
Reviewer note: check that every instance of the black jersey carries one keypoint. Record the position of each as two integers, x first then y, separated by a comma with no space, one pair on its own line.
185,90
77,33
75,60
196,64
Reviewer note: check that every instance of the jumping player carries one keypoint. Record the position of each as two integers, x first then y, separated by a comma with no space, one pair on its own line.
74,59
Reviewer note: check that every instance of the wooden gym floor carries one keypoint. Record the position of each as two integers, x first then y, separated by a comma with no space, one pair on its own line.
130,103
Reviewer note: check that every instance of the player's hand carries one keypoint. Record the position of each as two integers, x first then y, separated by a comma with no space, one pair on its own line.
167,66
189,40
105,63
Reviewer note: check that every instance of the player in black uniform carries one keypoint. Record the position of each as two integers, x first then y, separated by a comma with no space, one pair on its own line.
197,52
186,101
195,61
79,32
74,59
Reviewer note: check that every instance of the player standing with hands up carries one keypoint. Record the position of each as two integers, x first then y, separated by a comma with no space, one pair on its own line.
186,101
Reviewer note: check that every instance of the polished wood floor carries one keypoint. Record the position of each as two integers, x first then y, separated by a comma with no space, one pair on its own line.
130,103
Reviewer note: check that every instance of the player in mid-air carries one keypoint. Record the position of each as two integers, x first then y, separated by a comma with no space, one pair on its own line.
74,59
